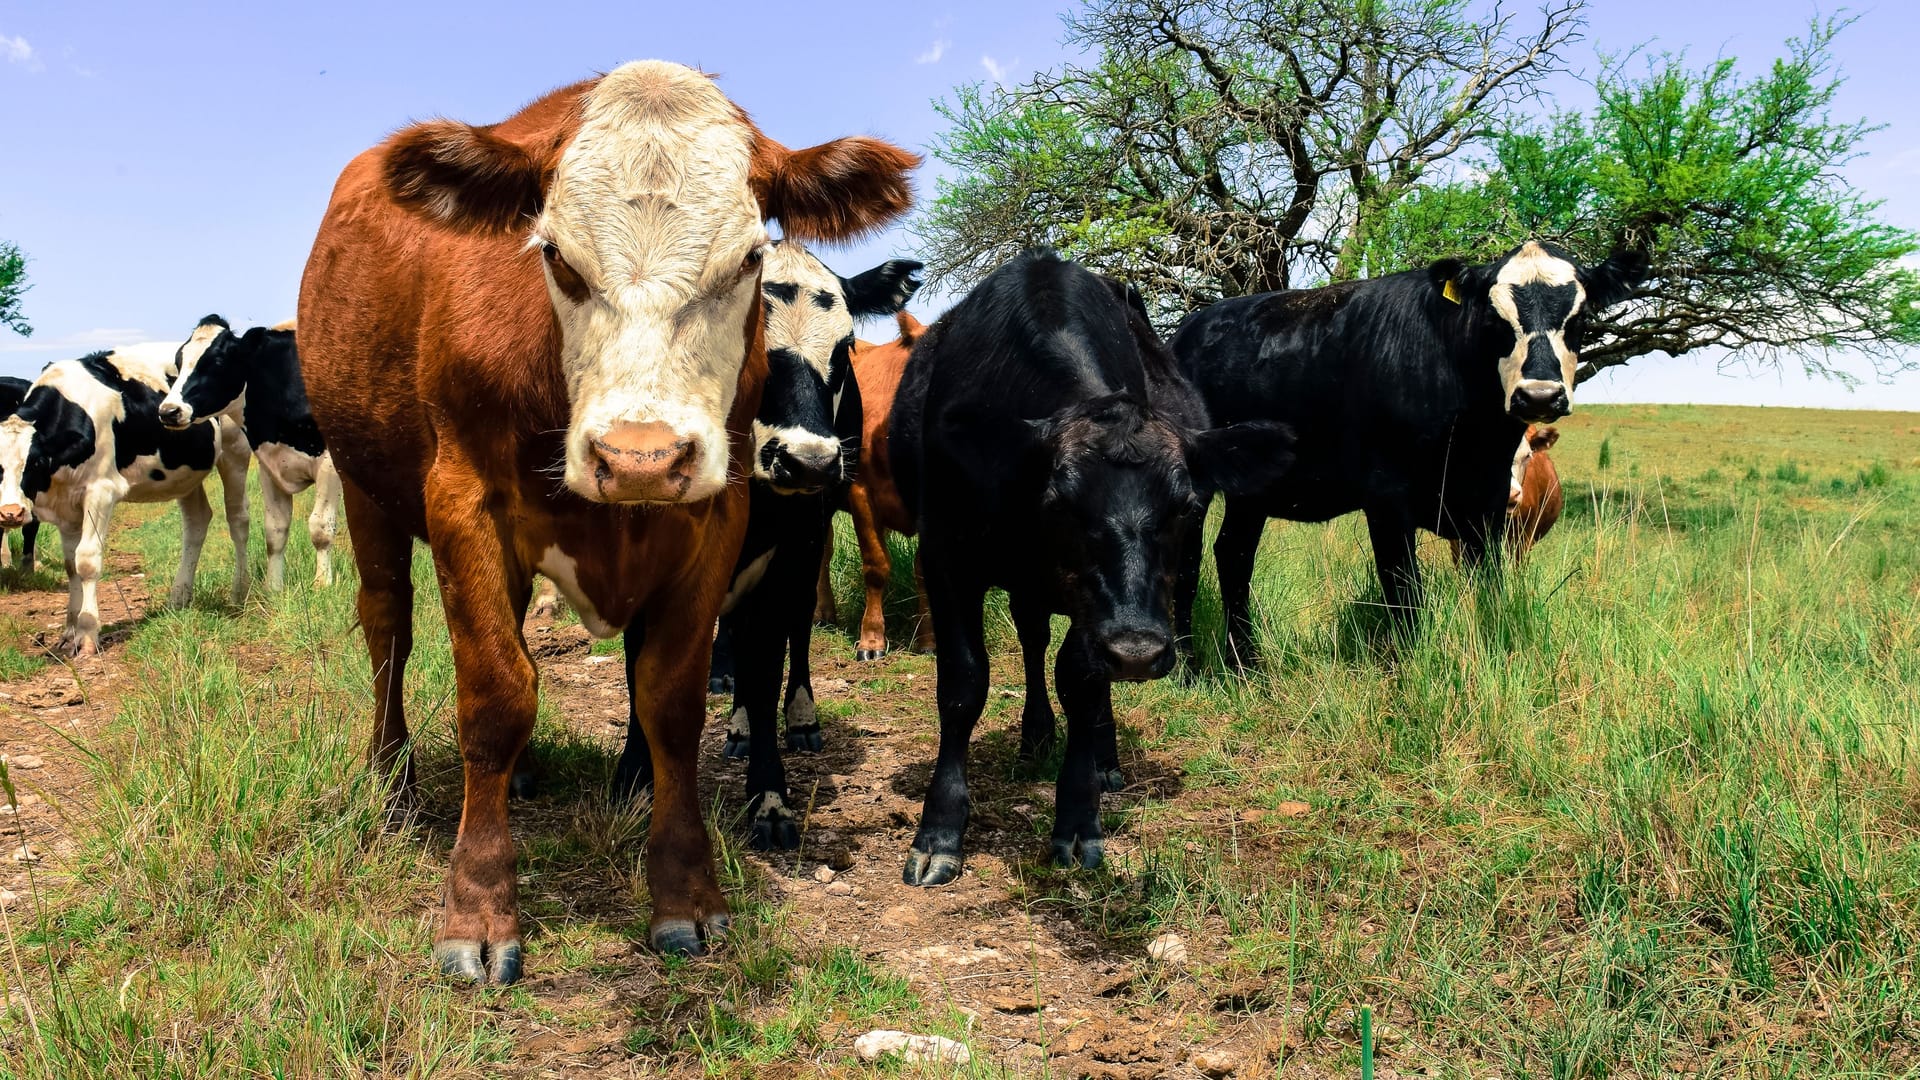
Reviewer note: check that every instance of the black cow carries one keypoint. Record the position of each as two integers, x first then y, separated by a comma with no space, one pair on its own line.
13,391
806,441
1407,393
253,380
1044,443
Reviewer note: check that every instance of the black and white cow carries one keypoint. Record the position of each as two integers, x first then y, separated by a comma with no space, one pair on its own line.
88,437
806,445
1045,443
1407,393
252,380
13,391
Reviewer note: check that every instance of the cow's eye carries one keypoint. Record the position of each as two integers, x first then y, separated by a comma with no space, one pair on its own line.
569,280
753,260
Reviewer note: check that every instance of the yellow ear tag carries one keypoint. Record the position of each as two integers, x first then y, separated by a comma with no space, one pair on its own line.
1451,290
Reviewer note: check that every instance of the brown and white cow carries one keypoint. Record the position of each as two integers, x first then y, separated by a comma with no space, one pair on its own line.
1534,498
873,502
515,334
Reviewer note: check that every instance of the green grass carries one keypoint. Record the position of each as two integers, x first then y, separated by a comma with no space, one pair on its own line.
1651,807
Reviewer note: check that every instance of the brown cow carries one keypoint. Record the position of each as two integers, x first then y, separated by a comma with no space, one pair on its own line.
1534,499
507,332
872,501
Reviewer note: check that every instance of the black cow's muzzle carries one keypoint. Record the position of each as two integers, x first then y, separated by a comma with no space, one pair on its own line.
800,474
1539,401
174,415
1137,655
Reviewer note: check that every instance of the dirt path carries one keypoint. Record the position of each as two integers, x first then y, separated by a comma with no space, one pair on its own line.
1040,990
49,720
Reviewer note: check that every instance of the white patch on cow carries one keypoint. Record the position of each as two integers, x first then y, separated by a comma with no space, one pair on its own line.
800,325
187,359
292,470
772,807
561,570
737,726
745,581
16,438
1533,265
800,712
650,205
1517,476
805,446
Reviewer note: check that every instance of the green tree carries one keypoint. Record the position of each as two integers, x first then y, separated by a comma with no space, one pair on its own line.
1221,147
1732,185
13,282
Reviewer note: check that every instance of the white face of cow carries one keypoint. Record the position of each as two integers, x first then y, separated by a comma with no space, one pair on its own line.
1538,294
795,447
174,410
652,240
16,441
1518,476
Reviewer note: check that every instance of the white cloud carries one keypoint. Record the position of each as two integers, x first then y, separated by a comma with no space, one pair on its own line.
995,70
934,52
77,343
16,50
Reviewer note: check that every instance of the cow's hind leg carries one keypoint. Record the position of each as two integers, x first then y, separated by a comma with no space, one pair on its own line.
1034,624
235,457
875,569
383,553
196,513
279,507
320,522
633,775
29,542
720,674
796,616
759,642
826,609
1233,556
1186,585
961,692
1086,696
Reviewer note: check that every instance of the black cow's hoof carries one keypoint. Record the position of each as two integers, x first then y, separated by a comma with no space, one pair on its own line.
1082,851
869,654
478,962
927,870
524,785
737,746
678,937
807,739
1112,780
720,684
772,825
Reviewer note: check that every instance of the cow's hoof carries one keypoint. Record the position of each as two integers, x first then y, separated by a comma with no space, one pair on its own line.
927,870
478,962
1081,851
869,654
806,739
737,746
720,684
80,648
1112,780
774,834
684,937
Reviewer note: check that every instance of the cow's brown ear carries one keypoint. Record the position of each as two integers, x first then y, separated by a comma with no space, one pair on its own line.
910,327
835,191
1542,438
464,177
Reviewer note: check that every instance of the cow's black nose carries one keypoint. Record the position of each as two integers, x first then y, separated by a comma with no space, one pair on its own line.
171,415
1138,655
1537,402
804,472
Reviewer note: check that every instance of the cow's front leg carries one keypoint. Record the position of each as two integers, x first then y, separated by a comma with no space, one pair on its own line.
483,589
807,560
1086,694
1234,551
633,775
759,647
86,550
875,568
720,676
232,464
669,685
278,503
960,690
320,522
196,513
1392,534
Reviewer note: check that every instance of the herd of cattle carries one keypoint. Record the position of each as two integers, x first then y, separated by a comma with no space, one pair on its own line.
564,346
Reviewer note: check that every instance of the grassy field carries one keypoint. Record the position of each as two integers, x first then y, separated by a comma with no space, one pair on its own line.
1651,808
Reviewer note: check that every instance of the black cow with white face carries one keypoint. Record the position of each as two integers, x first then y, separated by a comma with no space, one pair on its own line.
87,438
13,391
806,445
252,380
1407,393
1045,444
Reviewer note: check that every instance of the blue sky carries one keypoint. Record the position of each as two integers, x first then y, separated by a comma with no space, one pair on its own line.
158,162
